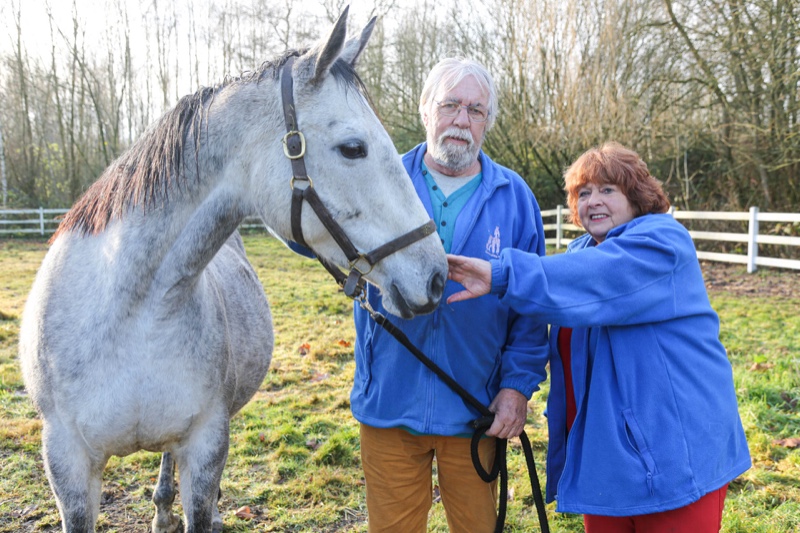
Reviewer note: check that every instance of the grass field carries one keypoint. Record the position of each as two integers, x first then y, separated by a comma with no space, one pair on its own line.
294,459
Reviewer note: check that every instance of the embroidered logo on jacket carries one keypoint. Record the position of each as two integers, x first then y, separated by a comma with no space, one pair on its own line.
493,244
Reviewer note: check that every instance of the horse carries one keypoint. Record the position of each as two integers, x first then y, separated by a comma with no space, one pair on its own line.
146,327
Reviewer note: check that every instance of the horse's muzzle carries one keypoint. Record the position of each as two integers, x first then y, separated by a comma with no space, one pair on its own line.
408,310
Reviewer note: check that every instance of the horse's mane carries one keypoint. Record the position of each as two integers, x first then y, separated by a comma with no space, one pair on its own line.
148,170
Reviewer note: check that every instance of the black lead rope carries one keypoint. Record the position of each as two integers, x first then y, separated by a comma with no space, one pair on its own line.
480,425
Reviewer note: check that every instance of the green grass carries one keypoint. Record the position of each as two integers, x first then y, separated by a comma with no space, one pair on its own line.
294,457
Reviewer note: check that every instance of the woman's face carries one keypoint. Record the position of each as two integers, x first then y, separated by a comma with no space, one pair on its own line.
603,207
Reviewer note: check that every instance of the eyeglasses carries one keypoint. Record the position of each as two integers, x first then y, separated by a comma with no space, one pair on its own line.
451,109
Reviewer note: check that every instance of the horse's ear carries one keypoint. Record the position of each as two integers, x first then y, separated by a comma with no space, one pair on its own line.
356,45
331,49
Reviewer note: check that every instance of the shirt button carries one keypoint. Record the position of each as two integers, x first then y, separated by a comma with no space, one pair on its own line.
444,222
444,204
435,188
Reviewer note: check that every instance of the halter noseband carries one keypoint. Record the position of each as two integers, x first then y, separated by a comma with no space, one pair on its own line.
294,147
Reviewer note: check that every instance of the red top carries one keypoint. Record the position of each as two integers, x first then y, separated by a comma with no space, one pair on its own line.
564,342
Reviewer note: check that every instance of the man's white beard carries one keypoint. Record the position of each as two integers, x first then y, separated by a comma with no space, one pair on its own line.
452,156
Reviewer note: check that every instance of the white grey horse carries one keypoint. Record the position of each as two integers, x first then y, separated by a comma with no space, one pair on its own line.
147,328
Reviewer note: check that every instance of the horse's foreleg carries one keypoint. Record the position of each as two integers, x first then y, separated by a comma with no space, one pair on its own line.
75,476
200,463
165,521
216,518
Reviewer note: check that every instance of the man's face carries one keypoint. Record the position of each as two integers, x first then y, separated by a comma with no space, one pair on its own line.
454,141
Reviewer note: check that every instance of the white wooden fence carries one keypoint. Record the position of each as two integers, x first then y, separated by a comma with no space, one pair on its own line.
752,238
21,221
45,221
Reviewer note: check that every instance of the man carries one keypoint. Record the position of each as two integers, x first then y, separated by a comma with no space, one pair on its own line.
408,416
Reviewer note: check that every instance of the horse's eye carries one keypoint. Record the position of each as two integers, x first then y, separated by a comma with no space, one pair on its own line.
353,149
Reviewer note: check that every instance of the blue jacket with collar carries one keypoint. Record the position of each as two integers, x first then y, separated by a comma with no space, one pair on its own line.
482,344
657,424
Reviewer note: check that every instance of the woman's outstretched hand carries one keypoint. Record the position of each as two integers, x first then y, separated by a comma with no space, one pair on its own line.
473,273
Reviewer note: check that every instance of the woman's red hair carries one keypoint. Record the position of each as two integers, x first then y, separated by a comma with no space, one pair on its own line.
613,163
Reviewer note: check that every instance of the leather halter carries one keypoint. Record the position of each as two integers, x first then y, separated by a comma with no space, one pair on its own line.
294,147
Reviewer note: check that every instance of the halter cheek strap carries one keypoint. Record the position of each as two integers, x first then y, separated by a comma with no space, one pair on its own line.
294,147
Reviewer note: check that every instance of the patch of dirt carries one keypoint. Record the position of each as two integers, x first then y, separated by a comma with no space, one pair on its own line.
734,279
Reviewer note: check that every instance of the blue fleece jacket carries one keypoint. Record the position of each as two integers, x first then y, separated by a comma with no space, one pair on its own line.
482,343
657,425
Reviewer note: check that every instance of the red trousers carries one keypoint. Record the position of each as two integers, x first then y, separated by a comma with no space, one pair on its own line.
702,516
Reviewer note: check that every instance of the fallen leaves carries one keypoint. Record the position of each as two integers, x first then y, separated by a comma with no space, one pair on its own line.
792,442
244,513
791,403
305,348
316,378
27,513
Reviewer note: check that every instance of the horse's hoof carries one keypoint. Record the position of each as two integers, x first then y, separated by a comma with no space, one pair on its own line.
169,524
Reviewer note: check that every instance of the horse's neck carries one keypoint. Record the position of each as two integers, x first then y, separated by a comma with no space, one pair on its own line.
170,244
192,229
198,235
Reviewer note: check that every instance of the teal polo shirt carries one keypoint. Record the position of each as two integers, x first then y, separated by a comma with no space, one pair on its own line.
447,209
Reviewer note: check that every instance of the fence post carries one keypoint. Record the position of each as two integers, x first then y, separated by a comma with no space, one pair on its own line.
41,220
559,230
752,241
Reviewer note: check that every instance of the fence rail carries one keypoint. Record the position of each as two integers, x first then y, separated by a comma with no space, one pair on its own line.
21,221
752,238
45,221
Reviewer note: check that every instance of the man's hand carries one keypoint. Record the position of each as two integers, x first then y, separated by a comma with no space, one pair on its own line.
510,410
473,273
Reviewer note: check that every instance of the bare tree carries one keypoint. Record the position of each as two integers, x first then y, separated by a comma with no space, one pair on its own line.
706,90
163,29
745,56
26,166
3,168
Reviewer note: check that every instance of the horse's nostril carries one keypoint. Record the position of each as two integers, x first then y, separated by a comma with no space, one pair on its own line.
436,286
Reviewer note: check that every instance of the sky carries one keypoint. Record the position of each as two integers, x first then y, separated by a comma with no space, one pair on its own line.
97,14
35,25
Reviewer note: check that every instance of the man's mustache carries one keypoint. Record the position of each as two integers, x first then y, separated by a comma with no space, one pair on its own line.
457,133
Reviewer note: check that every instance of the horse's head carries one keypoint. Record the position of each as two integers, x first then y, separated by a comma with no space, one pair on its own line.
357,174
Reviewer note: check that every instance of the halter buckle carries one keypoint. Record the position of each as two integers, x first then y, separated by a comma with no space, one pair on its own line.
286,149
355,267
303,178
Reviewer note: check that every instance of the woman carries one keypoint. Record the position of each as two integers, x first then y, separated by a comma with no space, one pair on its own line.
644,429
